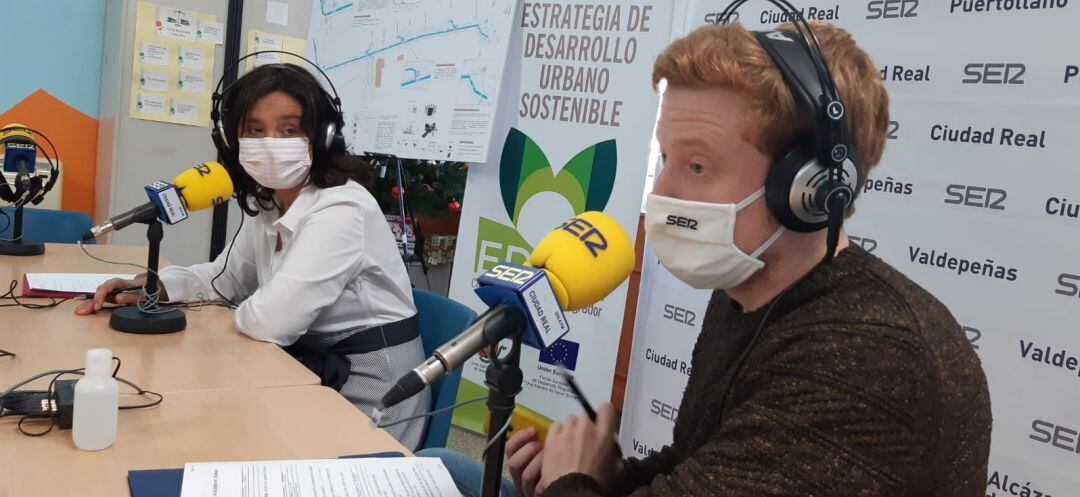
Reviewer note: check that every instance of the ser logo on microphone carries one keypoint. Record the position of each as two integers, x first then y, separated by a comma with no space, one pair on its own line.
510,274
585,231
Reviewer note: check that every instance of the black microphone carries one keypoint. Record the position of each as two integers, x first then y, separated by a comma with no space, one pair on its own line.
494,325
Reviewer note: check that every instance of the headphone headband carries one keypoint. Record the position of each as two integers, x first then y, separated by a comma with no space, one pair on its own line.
332,131
218,92
810,186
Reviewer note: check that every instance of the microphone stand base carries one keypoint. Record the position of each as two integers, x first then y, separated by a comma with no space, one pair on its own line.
132,320
21,248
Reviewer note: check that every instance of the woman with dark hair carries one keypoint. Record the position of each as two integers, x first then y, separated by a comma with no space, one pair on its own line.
317,269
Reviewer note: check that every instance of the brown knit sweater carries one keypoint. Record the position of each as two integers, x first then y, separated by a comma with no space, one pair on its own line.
860,384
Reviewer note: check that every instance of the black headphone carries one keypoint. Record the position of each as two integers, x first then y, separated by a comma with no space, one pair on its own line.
35,186
329,127
811,184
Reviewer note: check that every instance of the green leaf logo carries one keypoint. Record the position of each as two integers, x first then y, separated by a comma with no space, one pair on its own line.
586,181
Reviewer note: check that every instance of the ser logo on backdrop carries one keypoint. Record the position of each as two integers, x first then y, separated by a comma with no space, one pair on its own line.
976,196
892,9
867,244
1057,436
718,17
664,410
973,335
894,131
1068,285
679,315
994,73
1072,74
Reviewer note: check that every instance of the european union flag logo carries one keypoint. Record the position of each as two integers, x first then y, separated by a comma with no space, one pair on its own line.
561,352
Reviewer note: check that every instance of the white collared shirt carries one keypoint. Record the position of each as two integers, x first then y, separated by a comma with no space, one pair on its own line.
338,268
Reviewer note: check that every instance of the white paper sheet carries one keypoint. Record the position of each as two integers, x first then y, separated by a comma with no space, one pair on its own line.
277,12
375,477
70,282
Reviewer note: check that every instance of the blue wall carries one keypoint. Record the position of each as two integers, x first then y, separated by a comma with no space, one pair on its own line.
54,45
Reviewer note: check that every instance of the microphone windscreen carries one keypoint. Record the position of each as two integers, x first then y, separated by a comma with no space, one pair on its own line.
17,133
204,186
586,258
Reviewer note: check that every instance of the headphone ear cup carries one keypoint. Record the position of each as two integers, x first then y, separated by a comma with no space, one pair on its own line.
330,134
220,142
790,187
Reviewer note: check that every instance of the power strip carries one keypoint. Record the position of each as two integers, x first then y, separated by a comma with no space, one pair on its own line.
36,403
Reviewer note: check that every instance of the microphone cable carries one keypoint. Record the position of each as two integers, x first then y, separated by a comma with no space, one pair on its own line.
377,414
54,413
150,300
225,264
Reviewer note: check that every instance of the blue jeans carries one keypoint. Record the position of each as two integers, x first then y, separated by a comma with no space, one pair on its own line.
466,472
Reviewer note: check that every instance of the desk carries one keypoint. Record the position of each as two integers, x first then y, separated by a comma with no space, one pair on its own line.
221,425
209,354
68,258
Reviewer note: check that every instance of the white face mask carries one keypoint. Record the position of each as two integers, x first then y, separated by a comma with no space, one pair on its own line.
276,163
696,241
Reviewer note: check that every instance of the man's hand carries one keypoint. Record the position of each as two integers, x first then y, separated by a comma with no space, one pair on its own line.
577,445
525,455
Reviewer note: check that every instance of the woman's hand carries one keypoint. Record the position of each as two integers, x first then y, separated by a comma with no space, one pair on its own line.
105,294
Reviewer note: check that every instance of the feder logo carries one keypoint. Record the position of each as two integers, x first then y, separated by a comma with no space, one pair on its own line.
586,182
892,9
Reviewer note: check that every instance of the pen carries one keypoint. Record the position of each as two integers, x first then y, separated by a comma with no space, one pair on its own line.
578,393
116,292
582,400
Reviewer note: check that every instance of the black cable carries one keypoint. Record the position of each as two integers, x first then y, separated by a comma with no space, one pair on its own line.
4,353
18,204
7,220
232,305
746,352
51,392
10,295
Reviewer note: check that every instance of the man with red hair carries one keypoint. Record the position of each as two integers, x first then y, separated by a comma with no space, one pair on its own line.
815,373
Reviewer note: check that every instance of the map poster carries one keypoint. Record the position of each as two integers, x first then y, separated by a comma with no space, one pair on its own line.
418,78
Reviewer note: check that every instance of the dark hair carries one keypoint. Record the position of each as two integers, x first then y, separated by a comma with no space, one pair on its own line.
329,167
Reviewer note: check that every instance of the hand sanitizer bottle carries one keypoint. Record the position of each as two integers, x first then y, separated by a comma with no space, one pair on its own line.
97,397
